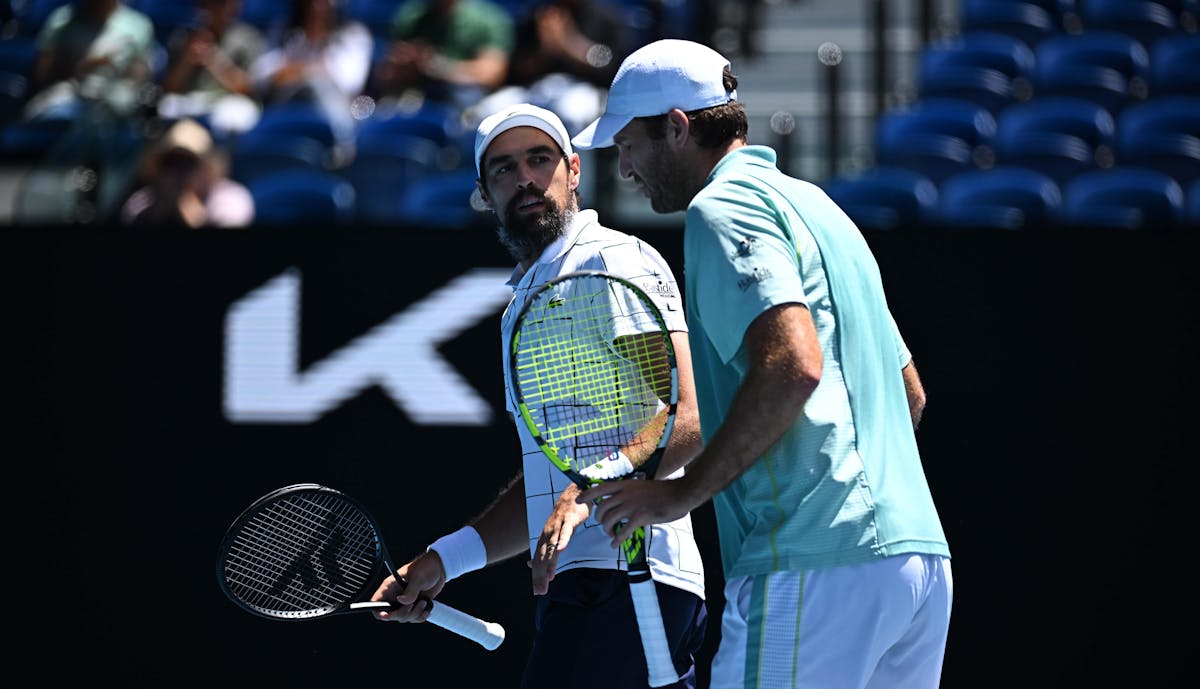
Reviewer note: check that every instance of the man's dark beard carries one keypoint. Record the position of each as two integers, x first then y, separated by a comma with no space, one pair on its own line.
526,236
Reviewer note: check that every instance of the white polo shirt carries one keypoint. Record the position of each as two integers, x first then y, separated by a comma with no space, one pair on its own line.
586,245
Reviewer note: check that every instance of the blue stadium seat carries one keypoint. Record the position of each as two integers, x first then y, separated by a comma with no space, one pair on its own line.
1175,65
32,14
1059,136
441,200
1003,197
936,137
983,49
268,16
1028,21
166,15
299,118
1141,19
34,139
376,15
17,55
1162,133
437,122
885,198
384,167
1123,197
302,198
1107,67
259,153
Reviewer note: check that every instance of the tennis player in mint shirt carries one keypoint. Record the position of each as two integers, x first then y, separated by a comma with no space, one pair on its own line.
836,564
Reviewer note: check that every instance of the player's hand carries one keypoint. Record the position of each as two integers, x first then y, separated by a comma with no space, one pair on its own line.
412,589
634,503
556,534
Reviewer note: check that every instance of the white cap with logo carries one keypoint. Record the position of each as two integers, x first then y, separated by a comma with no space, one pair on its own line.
520,115
665,74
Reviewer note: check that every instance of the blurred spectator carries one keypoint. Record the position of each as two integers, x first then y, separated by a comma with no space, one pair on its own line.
322,58
208,68
453,51
92,52
186,184
566,55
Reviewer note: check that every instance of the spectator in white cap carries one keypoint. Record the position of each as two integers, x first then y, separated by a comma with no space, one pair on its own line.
836,566
528,174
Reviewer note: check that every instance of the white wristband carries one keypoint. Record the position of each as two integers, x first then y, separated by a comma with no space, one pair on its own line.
461,552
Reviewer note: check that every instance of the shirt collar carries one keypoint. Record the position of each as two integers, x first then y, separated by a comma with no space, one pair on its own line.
751,156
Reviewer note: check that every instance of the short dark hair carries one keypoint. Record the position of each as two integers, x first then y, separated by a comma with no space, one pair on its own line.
712,127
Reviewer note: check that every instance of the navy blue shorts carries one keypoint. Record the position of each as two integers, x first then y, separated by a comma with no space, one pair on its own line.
587,638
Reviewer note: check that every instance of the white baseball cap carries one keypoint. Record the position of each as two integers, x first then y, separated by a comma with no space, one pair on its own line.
665,74
520,115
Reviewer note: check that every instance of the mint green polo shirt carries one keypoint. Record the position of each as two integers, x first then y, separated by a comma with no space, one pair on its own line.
845,484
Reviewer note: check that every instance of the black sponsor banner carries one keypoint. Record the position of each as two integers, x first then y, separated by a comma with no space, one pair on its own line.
167,379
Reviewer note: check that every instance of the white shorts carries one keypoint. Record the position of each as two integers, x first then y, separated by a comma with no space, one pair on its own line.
880,625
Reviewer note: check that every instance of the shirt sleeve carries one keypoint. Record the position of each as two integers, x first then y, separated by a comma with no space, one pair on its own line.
740,246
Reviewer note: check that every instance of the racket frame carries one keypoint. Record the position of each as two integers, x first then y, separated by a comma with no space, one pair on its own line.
487,634
634,548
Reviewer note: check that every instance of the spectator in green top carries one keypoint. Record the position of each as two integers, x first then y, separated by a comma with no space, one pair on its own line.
452,51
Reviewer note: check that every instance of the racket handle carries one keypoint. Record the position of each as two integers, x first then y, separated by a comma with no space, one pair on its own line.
652,631
487,634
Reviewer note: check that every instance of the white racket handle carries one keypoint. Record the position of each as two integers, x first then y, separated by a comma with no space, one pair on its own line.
487,634
653,633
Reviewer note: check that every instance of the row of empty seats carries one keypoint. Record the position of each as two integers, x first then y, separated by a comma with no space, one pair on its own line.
1108,67
1014,197
1043,113
1060,136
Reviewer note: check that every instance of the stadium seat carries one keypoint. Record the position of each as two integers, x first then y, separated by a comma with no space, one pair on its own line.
259,153
1141,19
302,198
1028,21
1162,133
434,121
384,167
1059,136
1004,197
983,49
885,198
1107,67
303,119
1175,65
32,14
40,139
936,137
441,200
1123,197
268,16
376,15
166,15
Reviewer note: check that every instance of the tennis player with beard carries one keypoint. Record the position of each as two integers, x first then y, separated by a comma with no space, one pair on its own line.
528,177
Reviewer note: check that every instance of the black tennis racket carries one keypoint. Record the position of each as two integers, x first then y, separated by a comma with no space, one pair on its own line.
308,551
593,371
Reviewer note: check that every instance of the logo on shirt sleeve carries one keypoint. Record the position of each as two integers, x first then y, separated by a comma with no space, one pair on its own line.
756,275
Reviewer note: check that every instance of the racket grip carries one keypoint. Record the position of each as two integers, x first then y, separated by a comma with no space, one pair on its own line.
652,631
487,634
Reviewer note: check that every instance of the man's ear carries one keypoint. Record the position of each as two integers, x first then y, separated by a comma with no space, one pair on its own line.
574,167
480,200
678,127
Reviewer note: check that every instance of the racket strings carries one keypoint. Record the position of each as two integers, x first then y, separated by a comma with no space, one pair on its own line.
590,375
302,554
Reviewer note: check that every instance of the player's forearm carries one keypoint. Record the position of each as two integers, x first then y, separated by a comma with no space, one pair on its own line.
502,525
766,406
915,392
